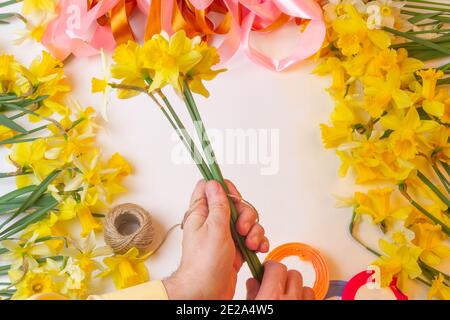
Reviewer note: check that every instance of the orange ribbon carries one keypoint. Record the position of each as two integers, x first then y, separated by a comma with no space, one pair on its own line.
186,17
305,252
118,19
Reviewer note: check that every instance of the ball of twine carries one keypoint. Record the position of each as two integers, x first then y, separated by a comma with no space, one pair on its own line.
127,226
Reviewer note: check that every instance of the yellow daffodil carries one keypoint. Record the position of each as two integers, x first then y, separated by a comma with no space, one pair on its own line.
334,66
46,76
405,137
126,269
377,204
439,289
8,74
334,136
400,261
18,250
86,252
429,79
381,91
47,227
431,239
31,155
75,280
167,60
87,221
202,70
34,283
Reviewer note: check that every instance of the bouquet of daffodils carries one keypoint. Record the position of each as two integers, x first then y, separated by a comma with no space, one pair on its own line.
390,126
181,63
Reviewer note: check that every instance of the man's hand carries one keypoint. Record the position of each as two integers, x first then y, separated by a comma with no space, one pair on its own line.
278,284
210,261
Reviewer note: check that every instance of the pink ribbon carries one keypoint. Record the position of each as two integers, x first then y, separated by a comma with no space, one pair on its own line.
76,30
263,12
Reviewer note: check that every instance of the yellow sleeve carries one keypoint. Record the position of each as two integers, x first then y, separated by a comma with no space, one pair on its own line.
153,290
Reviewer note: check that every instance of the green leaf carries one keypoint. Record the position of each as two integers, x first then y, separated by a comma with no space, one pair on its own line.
16,193
424,42
17,138
27,220
423,16
35,195
7,122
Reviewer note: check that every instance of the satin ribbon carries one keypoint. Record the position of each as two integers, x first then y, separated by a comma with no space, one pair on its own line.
265,15
240,18
305,252
361,279
83,27
105,23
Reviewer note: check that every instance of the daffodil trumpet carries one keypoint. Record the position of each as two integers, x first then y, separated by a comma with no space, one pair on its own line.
181,63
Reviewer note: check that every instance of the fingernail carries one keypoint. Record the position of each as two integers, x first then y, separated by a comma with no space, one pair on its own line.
212,186
264,246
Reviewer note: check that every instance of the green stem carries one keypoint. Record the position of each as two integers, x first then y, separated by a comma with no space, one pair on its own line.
13,174
8,3
186,138
443,179
428,2
445,228
423,42
433,188
250,256
412,6
446,167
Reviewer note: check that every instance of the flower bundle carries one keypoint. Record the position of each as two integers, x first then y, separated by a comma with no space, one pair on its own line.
183,64
390,126
64,186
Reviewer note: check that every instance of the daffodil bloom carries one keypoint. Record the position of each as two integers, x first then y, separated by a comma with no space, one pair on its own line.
86,252
24,249
46,76
87,221
126,269
429,79
129,68
75,280
169,59
439,289
407,132
334,66
47,227
202,70
8,74
381,91
400,261
336,135
31,155
377,204
34,283
431,239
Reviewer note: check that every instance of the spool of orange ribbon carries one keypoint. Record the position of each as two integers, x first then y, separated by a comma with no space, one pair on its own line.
305,252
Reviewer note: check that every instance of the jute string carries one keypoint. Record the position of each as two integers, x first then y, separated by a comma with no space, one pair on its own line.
129,225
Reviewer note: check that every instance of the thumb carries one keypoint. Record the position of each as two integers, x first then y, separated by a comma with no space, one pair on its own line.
218,206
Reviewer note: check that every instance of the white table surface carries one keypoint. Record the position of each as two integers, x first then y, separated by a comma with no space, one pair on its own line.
296,204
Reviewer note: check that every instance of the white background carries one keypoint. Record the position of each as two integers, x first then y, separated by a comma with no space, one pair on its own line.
296,204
